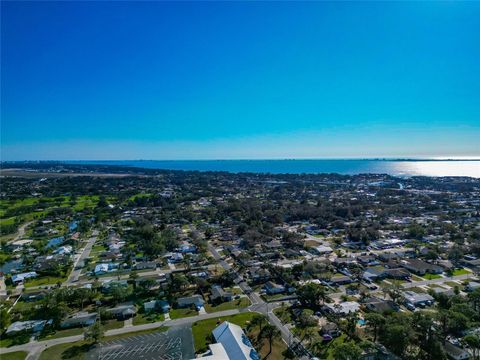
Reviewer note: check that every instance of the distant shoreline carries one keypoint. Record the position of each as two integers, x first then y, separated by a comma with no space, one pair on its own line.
205,160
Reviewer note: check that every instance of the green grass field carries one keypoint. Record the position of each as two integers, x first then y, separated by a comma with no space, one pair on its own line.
62,333
457,272
17,355
148,318
47,280
431,276
234,304
181,313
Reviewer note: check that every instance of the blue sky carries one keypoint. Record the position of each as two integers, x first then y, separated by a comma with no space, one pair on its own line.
152,80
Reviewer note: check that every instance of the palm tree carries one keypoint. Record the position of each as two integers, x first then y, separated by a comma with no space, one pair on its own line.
259,321
374,321
270,332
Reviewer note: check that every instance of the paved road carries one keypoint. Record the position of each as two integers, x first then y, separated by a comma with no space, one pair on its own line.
21,231
75,273
437,281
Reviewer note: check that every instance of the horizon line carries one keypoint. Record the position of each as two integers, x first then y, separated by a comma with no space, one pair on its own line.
259,159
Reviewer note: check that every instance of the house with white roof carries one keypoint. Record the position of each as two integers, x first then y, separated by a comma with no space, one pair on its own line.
234,342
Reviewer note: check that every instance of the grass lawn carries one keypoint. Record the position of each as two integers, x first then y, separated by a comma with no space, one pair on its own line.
431,276
148,318
15,340
457,272
326,351
62,333
181,313
47,280
417,278
273,297
78,349
17,355
202,329
417,290
283,314
113,324
234,304
453,284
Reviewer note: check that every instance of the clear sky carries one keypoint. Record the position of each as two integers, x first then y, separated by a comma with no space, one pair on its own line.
152,80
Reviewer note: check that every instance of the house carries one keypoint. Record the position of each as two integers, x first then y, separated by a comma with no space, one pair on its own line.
176,258
271,288
218,294
341,280
188,249
109,283
20,278
471,286
79,319
64,250
322,250
369,260
420,267
35,326
259,275
19,244
343,308
122,312
104,268
380,306
397,273
196,300
34,295
49,262
417,299
235,342
145,265
455,352
343,262
331,329
473,264
156,305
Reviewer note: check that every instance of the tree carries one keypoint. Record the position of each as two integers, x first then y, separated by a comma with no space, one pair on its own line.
474,342
347,351
82,295
259,321
374,321
310,294
474,298
119,292
94,332
270,332
4,319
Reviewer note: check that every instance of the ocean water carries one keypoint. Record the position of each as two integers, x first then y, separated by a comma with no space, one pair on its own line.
402,168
